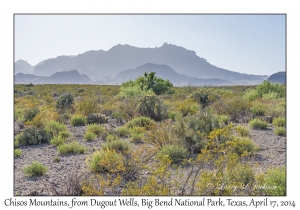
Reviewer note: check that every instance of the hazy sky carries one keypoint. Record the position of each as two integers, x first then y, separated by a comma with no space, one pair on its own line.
252,44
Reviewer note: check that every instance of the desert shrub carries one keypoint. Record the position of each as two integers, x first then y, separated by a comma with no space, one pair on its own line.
137,137
138,130
78,120
90,136
266,90
258,124
241,173
176,153
64,117
159,135
64,134
139,122
251,95
275,179
86,106
35,169
172,114
116,144
241,146
54,128
151,106
17,153
111,137
31,136
223,119
204,96
280,131
57,140
259,109
65,102
30,113
150,82
72,147
96,118
271,95
122,132
133,91
242,131
236,107
279,121
188,106
57,159
106,161
96,129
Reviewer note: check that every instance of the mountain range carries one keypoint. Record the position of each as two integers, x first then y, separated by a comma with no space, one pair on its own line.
125,62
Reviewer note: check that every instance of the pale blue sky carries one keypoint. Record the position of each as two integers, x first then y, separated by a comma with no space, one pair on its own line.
253,44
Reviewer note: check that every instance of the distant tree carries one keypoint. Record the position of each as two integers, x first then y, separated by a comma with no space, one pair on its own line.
151,82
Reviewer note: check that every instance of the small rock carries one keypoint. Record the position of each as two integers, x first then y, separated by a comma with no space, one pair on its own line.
67,163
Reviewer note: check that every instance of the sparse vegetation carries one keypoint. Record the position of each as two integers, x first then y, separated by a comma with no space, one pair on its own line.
154,141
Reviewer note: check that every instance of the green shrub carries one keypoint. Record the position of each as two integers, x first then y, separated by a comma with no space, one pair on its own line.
35,169
172,114
133,91
65,102
54,128
236,107
73,147
258,124
204,96
241,146
96,118
17,153
64,117
137,137
275,179
86,106
279,121
241,173
57,140
30,113
259,109
223,119
174,152
280,131
242,131
251,95
78,120
151,106
123,132
90,136
266,90
96,129
106,161
150,82
64,134
139,122
117,145
188,106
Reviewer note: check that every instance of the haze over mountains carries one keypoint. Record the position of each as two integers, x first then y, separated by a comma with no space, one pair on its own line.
124,62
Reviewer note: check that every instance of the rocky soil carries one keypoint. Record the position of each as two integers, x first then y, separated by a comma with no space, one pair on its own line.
272,153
